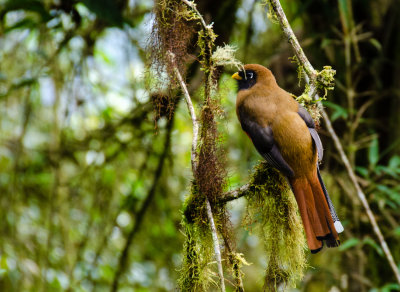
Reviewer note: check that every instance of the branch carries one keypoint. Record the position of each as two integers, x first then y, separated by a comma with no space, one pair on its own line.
189,104
362,196
217,250
235,194
312,74
287,30
202,21
194,161
139,216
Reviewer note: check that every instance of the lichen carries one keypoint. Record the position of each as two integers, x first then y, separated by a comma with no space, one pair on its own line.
300,68
225,56
271,13
272,210
325,80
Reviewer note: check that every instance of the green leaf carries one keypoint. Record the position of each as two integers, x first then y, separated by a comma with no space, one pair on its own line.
339,112
394,163
392,193
325,42
362,170
369,241
390,287
397,231
349,244
376,44
373,152
345,15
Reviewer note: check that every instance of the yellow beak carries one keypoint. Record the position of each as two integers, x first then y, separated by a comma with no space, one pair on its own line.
236,76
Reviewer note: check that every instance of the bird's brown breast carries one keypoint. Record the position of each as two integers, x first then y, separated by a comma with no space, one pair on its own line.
275,108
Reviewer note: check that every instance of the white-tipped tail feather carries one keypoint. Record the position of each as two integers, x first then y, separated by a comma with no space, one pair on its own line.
338,226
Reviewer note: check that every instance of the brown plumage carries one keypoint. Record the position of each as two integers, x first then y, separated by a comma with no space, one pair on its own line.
284,134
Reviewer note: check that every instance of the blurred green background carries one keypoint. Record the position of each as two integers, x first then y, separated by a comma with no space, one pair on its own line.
91,175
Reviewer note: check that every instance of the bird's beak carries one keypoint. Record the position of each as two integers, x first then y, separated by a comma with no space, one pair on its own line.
236,76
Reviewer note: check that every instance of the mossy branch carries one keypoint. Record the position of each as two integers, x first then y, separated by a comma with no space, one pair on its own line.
194,168
235,194
323,80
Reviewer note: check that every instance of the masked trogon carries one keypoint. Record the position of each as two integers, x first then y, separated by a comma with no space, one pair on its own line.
284,133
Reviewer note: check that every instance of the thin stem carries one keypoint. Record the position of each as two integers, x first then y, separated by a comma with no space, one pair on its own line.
193,6
312,74
361,196
287,30
217,250
189,104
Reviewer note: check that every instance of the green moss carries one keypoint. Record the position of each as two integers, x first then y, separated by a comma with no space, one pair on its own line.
271,13
300,68
273,211
198,252
196,273
325,80
225,56
237,261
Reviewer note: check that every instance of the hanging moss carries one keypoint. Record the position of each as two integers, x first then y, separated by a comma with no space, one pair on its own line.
196,272
172,31
273,210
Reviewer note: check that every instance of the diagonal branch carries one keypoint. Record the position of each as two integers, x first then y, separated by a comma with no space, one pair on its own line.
312,74
193,6
195,123
139,216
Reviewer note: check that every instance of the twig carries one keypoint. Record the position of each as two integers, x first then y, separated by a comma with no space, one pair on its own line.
287,30
361,196
194,164
217,251
193,6
235,194
189,104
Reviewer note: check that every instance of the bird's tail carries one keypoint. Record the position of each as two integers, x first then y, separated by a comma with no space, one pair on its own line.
338,225
314,206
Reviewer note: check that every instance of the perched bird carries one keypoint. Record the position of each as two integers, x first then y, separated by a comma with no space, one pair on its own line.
284,133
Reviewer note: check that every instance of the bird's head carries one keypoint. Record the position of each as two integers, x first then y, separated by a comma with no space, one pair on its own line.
253,74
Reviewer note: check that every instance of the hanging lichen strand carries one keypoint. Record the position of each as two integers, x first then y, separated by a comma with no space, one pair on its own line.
272,211
172,31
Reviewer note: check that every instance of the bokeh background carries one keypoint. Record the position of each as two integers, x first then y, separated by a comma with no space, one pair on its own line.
91,174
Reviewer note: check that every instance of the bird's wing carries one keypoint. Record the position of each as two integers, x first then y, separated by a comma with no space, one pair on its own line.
263,140
303,113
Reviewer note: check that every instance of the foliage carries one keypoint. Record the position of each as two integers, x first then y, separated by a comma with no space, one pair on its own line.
92,190
272,211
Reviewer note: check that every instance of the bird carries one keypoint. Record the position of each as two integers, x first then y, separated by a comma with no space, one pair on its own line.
285,135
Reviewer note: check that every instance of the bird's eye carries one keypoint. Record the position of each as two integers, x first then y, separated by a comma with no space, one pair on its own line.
250,75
